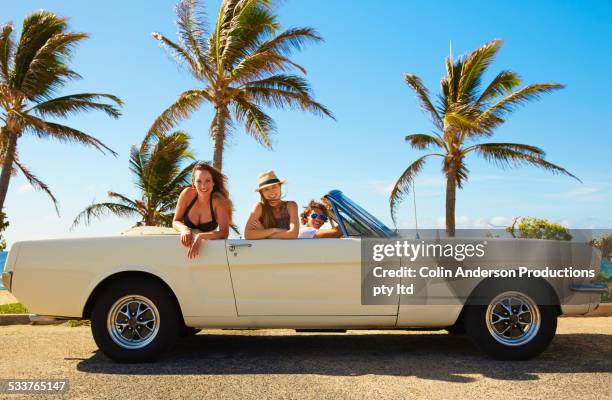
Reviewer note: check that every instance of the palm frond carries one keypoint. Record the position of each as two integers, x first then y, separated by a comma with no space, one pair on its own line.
174,186
47,71
284,90
67,105
272,56
37,183
37,29
165,160
191,29
519,147
514,155
402,186
261,64
44,129
138,164
504,83
98,210
520,97
422,141
257,123
7,49
186,103
123,199
423,94
178,54
251,22
474,66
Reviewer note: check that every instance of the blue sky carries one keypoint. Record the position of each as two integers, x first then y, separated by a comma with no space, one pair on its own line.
358,74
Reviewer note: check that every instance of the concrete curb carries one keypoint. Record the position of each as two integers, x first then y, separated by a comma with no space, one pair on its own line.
14,319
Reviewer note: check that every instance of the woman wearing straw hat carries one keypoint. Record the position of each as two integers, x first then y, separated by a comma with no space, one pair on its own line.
272,218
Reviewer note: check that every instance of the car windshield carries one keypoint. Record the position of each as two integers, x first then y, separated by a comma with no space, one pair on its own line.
357,220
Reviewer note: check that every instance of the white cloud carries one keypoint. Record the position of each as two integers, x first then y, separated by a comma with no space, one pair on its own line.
382,187
26,187
500,221
585,193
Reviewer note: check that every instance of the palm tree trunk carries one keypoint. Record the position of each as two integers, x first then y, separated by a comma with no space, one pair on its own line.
451,188
7,165
218,135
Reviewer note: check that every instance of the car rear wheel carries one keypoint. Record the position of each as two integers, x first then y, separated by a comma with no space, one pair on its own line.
512,325
135,321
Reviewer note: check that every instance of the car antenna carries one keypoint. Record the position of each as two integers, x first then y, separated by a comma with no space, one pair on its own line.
416,223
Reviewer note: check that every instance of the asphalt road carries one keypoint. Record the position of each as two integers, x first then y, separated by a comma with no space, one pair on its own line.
270,364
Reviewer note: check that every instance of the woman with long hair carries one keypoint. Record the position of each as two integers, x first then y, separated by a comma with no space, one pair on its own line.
205,206
272,217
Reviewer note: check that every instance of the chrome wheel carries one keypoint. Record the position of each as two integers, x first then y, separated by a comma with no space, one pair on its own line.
513,318
133,322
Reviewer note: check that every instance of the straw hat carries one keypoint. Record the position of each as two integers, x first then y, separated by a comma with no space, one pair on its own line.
266,179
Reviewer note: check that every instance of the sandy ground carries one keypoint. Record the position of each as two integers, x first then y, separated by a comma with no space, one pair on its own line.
270,364
6,298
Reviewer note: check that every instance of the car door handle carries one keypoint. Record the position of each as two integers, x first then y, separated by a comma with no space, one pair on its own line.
232,247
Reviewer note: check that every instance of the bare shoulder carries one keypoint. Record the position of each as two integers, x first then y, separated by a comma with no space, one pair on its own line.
187,194
218,201
257,208
292,205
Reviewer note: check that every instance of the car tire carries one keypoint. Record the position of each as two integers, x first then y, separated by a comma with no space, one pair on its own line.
135,320
187,331
527,326
457,329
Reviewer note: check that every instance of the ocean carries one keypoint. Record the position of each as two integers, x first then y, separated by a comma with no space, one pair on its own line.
3,255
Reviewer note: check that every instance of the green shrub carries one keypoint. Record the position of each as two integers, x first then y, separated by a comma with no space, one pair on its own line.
14,308
606,297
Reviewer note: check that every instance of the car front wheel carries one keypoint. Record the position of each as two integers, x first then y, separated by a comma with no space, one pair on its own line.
512,326
135,321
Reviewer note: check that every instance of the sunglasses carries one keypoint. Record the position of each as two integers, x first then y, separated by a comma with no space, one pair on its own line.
322,217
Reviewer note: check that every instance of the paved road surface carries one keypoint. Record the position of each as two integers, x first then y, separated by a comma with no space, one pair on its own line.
270,364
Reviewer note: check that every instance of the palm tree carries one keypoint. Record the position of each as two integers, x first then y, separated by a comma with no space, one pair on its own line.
242,64
31,74
160,175
462,116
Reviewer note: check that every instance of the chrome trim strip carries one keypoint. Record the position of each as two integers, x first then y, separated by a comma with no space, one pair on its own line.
43,318
590,287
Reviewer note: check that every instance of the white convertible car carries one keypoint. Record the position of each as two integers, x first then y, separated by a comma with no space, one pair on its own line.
141,292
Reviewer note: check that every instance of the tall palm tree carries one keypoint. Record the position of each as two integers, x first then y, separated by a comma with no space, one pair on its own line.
242,64
31,74
160,174
463,115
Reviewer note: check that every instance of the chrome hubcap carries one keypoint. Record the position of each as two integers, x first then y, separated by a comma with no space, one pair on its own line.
133,322
513,318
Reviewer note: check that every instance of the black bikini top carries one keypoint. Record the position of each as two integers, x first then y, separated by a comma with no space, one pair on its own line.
205,227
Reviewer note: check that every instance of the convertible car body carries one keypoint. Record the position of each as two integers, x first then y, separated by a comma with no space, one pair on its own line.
141,291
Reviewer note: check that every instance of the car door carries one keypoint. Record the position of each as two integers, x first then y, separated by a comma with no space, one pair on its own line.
299,277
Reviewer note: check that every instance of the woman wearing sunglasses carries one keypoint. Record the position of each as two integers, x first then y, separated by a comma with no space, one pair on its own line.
313,218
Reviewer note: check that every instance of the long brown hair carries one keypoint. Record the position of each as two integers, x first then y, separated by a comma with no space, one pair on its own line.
267,216
219,189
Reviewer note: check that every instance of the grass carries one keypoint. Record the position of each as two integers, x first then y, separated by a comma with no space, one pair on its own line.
14,308
73,323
